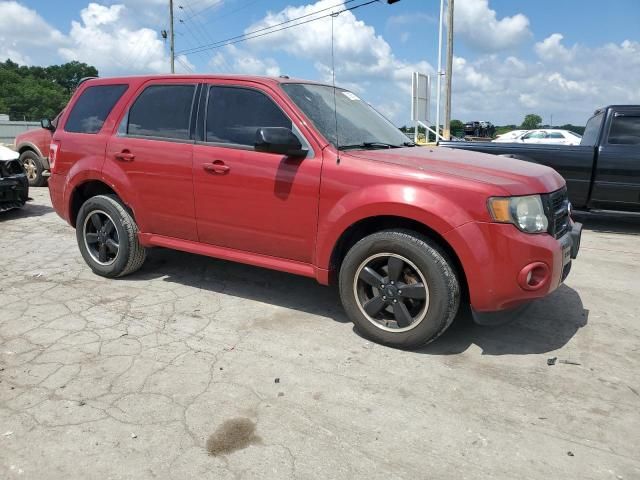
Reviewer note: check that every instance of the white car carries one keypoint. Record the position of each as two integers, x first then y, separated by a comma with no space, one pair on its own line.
510,137
549,136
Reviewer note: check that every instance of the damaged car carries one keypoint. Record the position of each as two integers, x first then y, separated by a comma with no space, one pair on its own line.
14,185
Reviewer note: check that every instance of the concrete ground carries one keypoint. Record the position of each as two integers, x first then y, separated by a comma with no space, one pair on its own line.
140,377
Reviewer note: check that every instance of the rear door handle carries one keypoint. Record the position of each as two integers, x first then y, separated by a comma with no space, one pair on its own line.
217,166
125,156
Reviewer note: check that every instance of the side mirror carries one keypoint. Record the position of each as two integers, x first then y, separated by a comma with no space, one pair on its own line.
279,140
47,125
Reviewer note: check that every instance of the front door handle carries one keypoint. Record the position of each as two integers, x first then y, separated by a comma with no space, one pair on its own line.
125,156
217,166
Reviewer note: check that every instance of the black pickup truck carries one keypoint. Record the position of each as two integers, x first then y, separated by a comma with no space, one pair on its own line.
602,173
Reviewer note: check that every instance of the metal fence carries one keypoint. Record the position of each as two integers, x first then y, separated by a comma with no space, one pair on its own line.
9,130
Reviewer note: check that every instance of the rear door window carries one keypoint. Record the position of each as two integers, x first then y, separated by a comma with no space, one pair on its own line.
592,130
162,111
92,108
235,114
625,130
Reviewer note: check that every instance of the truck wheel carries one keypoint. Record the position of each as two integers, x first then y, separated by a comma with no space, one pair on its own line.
34,168
399,288
107,237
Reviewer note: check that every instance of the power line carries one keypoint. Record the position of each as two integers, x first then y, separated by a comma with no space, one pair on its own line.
195,14
256,33
185,65
231,12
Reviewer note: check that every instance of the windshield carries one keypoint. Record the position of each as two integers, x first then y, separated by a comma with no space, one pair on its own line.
359,125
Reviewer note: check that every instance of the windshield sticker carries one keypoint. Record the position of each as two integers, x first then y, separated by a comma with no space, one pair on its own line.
350,96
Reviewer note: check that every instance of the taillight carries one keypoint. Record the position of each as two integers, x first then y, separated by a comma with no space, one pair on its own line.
53,155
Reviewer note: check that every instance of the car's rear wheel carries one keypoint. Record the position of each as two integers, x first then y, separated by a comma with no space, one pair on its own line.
34,167
108,237
399,288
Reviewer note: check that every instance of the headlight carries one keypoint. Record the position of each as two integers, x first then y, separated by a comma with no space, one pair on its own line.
526,213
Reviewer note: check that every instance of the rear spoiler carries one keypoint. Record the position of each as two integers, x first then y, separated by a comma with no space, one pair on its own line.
84,79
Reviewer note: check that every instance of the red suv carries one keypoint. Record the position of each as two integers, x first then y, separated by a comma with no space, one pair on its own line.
307,179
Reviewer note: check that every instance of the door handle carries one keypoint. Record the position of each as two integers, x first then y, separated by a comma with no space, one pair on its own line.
125,156
217,166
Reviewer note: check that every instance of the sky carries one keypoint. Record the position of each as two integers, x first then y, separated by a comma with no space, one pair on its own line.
560,59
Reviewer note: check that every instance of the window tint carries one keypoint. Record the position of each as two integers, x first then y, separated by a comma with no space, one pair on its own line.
535,135
162,111
625,130
235,114
592,130
93,107
555,135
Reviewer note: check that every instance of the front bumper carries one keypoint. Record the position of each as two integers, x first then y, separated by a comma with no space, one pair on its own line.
14,191
506,268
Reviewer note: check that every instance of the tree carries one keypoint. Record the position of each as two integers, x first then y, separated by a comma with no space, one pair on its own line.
531,121
456,125
38,92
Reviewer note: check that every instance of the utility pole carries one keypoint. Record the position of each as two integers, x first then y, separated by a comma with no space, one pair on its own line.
447,105
171,38
439,72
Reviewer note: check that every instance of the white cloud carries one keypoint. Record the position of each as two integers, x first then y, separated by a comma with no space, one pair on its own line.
104,39
551,49
25,37
481,30
242,61
503,90
363,59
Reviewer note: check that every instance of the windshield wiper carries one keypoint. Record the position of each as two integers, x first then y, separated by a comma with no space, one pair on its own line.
368,146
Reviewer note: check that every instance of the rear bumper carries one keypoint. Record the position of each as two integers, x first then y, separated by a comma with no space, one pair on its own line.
506,268
14,191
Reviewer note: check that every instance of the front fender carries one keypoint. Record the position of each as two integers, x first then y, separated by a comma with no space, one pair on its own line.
432,208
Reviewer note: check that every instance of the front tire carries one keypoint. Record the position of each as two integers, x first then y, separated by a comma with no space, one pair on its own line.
399,288
107,236
34,167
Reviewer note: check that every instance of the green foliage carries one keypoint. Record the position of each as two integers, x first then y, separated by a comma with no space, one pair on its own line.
33,93
573,128
531,121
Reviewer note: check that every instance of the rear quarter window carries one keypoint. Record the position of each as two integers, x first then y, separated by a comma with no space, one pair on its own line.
92,108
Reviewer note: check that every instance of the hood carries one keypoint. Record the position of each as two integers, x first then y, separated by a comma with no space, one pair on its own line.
8,154
515,176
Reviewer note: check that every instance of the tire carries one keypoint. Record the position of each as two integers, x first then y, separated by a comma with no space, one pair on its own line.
423,262
102,223
34,167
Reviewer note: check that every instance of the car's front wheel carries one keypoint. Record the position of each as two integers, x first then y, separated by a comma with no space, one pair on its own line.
399,288
107,236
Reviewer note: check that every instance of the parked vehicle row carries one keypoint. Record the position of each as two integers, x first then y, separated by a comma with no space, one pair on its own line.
603,172
308,179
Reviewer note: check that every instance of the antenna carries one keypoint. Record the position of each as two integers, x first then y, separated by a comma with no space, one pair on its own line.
333,77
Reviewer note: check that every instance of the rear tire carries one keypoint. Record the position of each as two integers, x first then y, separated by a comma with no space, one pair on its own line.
107,236
410,311
34,167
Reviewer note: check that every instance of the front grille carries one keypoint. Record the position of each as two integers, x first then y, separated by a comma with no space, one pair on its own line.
557,210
